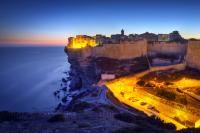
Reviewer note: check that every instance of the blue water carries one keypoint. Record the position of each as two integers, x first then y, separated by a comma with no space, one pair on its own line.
29,76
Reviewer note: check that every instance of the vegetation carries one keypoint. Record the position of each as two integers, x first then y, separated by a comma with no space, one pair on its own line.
166,94
190,130
57,118
139,129
141,83
83,125
145,84
109,107
145,124
97,109
183,100
129,130
78,107
125,117
10,116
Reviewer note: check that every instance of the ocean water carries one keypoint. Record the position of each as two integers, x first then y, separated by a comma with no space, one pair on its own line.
29,76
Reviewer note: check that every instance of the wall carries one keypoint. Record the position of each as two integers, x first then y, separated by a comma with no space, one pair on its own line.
177,67
193,54
166,48
79,53
121,51
130,50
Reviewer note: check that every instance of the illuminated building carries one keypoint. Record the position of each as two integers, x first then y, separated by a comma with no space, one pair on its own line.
163,37
81,41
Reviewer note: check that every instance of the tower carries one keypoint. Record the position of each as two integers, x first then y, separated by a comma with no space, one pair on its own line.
122,32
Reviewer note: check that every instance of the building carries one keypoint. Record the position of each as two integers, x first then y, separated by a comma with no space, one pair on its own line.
175,36
116,38
81,41
101,39
150,37
122,32
163,37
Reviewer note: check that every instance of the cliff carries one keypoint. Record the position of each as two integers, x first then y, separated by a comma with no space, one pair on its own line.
193,54
122,59
119,59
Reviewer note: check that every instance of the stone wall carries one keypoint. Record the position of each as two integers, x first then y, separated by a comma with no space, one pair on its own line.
77,53
177,67
131,50
121,51
193,54
166,48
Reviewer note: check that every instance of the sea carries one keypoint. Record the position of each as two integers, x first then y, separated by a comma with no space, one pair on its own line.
29,76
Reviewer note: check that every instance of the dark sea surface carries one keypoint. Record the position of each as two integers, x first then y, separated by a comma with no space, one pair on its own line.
29,76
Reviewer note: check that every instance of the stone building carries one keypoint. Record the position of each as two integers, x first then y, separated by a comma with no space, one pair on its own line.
163,37
81,41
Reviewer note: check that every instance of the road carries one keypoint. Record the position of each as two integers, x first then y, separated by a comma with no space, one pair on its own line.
123,90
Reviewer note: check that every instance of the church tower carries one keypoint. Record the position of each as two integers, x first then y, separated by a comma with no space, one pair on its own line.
122,32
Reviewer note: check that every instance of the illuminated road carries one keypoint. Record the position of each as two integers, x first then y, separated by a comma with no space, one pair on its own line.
126,91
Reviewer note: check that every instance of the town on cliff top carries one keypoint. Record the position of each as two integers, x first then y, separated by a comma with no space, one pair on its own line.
81,41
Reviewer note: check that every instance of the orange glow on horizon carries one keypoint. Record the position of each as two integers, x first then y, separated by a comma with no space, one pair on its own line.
35,40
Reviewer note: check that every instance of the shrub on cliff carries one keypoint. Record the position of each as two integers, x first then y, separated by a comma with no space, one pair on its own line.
138,129
127,130
160,123
144,124
166,94
78,107
109,107
125,117
183,100
141,83
189,130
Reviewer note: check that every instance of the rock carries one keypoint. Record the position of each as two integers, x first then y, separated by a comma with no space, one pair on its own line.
64,80
75,84
67,73
64,89
69,78
56,93
64,99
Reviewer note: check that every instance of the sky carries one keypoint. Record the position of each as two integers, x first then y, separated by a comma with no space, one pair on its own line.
51,22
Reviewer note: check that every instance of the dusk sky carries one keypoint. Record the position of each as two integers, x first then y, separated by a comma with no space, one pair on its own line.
52,21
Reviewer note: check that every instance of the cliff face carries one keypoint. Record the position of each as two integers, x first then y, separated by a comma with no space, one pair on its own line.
193,54
121,59
167,48
89,63
86,70
82,67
